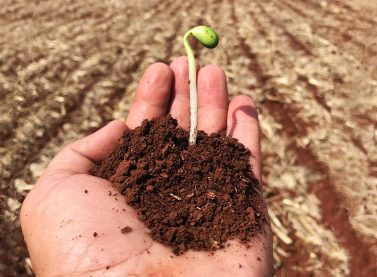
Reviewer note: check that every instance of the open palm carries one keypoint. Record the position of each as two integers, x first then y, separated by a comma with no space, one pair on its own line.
72,221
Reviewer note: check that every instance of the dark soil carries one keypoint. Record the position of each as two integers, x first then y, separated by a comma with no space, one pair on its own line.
190,197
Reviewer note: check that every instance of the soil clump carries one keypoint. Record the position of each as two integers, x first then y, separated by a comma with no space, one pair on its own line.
190,197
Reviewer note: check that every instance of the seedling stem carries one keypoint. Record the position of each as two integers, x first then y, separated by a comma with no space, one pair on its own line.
208,38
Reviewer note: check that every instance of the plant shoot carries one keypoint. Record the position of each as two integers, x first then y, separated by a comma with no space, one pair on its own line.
208,38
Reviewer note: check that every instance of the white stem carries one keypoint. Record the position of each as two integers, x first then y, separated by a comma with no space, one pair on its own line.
193,91
193,103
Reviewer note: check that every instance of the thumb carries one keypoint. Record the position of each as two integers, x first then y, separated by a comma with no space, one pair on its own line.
78,157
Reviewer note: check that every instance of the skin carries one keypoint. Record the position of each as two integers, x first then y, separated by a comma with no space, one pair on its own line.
59,218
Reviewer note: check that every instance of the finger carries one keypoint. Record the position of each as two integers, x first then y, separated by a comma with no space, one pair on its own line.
152,95
180,102
79,156
212,99
243,125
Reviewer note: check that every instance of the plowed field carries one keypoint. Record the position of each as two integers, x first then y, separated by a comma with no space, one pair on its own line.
67,67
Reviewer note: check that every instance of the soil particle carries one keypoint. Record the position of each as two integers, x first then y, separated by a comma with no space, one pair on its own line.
190,197
126,230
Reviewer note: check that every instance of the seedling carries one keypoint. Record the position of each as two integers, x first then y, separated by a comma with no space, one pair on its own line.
208,38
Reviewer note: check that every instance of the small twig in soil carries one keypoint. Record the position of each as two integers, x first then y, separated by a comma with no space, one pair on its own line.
175,196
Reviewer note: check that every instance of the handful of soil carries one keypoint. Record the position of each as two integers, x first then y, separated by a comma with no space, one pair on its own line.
190,197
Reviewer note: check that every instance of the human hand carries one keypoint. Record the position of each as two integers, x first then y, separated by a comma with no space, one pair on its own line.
72,227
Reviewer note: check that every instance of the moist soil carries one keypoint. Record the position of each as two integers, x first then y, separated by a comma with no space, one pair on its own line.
190,197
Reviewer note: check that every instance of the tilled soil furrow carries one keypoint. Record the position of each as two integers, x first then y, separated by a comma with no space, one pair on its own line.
43,124
58,66
9,33
349,10
61,32
239,61
334,11
342,25
55,69
342,35
39,132
294,41
8,86
70,40
324,104
254,66
89,10
334,213
268,88
172,48
8,12
327,58
46,11
295,111
265,70
332,60
130,76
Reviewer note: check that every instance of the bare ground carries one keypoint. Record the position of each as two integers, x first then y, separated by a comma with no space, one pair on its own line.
69,67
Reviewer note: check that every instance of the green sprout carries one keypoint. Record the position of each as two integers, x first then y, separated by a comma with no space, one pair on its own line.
208,38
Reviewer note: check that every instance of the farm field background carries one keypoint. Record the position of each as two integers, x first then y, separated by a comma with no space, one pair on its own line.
69,67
